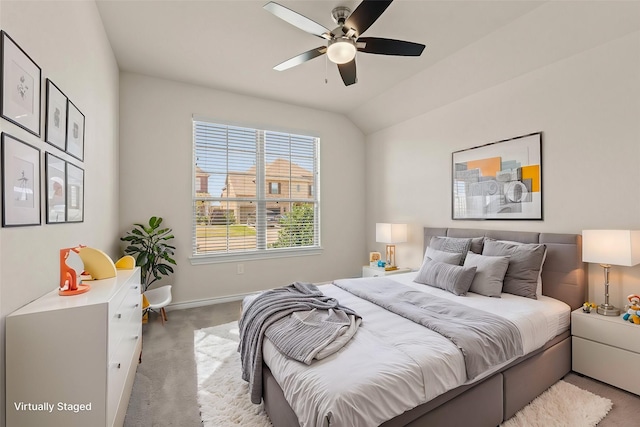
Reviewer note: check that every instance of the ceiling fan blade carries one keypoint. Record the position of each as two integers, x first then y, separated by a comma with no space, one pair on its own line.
389,46
365,15
348,72
297,20
303,57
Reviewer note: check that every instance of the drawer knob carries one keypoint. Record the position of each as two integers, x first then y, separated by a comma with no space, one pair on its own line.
119,316
136,306
118,366
136,337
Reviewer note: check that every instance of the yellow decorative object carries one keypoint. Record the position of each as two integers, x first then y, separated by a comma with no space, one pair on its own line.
97,263
127,262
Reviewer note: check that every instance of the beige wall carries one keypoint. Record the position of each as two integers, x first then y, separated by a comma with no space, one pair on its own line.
156,179
68,42
587,106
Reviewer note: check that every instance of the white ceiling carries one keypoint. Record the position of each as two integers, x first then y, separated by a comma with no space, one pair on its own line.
233,45
471,45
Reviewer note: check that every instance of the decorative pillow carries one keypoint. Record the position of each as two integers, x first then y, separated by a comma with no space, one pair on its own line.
476,244
489,274
524,265
452,278
441,256
451,244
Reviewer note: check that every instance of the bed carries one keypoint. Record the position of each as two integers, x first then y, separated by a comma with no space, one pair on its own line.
490,398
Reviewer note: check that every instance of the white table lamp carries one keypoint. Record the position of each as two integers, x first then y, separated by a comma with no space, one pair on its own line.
607,248
391,234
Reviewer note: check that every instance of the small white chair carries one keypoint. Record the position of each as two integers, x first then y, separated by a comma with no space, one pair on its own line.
159,298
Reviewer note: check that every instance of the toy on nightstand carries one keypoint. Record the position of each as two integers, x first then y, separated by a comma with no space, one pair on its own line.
633,313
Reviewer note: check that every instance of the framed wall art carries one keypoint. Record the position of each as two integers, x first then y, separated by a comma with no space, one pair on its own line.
75,132
56,175
56,116
498,181
20,183
75,193
21,86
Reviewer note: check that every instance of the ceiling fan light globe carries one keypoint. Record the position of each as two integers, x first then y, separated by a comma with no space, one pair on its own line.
341,50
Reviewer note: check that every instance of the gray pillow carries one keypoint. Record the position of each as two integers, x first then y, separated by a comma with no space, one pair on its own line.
451,244
452,278
489,274
447,257
524,265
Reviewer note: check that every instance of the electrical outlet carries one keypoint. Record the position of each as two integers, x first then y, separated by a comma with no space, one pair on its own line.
240,268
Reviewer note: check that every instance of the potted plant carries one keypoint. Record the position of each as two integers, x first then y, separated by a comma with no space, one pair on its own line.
149,246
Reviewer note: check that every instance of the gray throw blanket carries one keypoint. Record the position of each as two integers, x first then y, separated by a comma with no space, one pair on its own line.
485,340
273,305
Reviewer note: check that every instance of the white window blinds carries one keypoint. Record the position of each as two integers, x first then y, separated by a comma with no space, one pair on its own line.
252,190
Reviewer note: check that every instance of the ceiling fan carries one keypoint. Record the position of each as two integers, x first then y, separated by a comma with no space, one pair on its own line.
344,40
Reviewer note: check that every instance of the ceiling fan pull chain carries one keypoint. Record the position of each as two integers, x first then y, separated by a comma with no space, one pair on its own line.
326,67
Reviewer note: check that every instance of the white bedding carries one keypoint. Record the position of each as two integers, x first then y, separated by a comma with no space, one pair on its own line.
393,364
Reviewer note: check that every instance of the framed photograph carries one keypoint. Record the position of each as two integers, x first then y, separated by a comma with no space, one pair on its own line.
75,193
56,116
56,175
75,132
21,86
374,257
20,183
497,181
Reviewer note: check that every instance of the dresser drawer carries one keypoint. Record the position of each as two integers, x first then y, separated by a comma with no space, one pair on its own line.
605,363
124,314
611,330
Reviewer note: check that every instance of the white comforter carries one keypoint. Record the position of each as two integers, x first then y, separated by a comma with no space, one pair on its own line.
393,364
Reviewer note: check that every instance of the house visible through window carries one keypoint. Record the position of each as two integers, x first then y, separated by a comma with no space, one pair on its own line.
274,188
247,196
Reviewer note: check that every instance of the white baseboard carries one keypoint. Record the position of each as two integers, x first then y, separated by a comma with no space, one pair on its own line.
207,301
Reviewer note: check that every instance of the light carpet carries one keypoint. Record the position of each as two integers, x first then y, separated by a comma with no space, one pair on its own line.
224,397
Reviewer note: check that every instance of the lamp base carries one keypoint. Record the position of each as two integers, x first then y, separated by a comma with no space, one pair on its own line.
608,310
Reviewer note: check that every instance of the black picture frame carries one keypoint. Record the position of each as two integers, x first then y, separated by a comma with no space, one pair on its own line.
55,185
56,116
75,131
21,192
21,79
499,181
75,193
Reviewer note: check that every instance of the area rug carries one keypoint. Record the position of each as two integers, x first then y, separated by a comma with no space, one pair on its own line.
224,397
562,405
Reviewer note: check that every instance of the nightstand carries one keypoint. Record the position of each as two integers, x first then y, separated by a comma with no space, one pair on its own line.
606,348
380,271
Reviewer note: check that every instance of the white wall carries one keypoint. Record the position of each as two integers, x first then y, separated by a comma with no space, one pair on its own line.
156,179
67,40
587,106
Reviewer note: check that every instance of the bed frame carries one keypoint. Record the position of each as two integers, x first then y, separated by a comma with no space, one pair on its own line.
498,397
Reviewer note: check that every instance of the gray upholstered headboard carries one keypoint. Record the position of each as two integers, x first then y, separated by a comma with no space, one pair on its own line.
563,273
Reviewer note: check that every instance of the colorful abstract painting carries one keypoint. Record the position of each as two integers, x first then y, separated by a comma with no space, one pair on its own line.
501,180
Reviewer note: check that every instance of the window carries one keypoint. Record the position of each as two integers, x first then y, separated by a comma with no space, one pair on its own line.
243,201
274,188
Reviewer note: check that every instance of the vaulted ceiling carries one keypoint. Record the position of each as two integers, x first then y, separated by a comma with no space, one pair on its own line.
234,45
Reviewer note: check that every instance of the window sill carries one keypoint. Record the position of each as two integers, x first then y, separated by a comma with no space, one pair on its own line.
249,256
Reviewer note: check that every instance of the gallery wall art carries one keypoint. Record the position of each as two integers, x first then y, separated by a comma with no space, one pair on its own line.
20,182
21,86
499,181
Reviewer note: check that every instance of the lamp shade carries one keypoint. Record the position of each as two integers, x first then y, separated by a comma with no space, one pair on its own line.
341,50
391,233
615,247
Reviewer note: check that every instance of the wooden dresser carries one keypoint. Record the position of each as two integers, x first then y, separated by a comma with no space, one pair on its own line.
71,361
